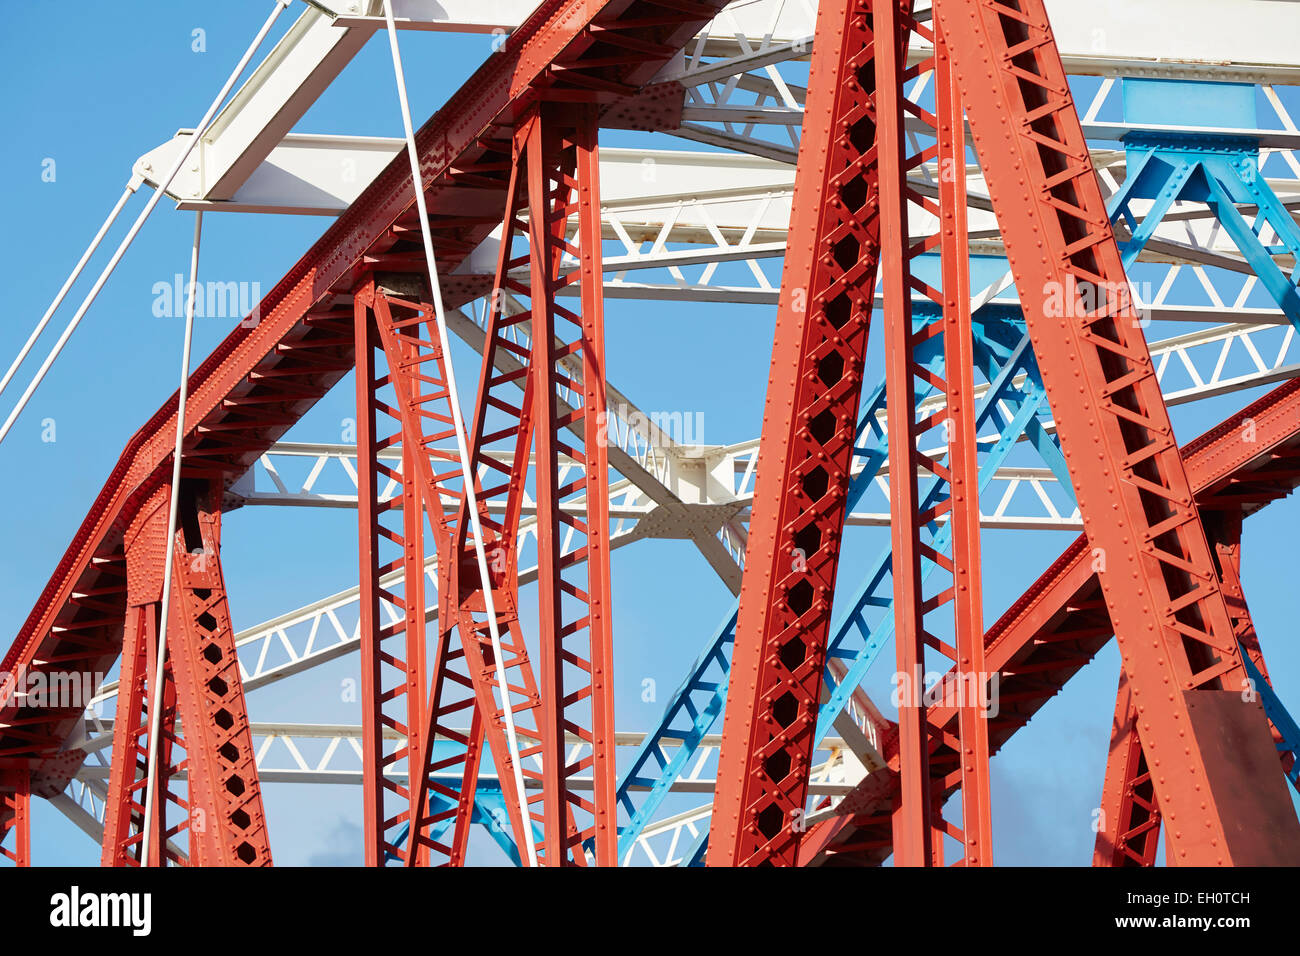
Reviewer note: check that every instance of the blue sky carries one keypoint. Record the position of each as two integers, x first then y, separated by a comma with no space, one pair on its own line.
102,86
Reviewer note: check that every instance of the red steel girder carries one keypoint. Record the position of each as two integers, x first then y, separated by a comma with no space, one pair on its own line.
575,666
16,816
221,810
1061,622
1128,823
805,454
124,806
1157,572
421,404
227,821
390,512
919,826
1224,528
463,600
554,171
963,479
915,843
123,839
416,413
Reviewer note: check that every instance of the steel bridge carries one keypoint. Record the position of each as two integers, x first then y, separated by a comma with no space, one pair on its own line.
1002,238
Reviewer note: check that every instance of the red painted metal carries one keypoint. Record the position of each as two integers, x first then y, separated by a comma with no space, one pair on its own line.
1128,822
919,826
521,137
463,601
1061,622
220,810
811,409
391,502
963,480
15,816
553,168
567,360
124,806
1157,573
227,823
915,841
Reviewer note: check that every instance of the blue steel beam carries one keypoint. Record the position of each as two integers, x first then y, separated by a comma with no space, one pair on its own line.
1220,170
1279,716
489,812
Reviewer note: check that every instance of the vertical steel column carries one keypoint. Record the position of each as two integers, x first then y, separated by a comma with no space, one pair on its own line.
391,516
574,676
914,840
1128,828
227,821
1224,529
1159,582
368,507
417,377
413,628
548,192
952,489
963,466
599,610
143,544
803,471
501,437
16,816
124,805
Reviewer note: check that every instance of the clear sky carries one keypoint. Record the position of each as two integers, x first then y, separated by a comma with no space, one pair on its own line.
97,86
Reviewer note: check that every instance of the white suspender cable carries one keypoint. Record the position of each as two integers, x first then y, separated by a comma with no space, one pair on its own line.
155,702
163,185
467,467
131,187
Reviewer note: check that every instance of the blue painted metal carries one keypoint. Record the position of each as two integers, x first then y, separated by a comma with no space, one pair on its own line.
1280,717
1189,103
489,812
695,855
1026,402
1221,170
691,711
1015,386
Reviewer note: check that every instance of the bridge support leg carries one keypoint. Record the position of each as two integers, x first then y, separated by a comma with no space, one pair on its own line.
805,457
16,816
227,820
1158,578
390,515
1128,821
575,668
123,840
